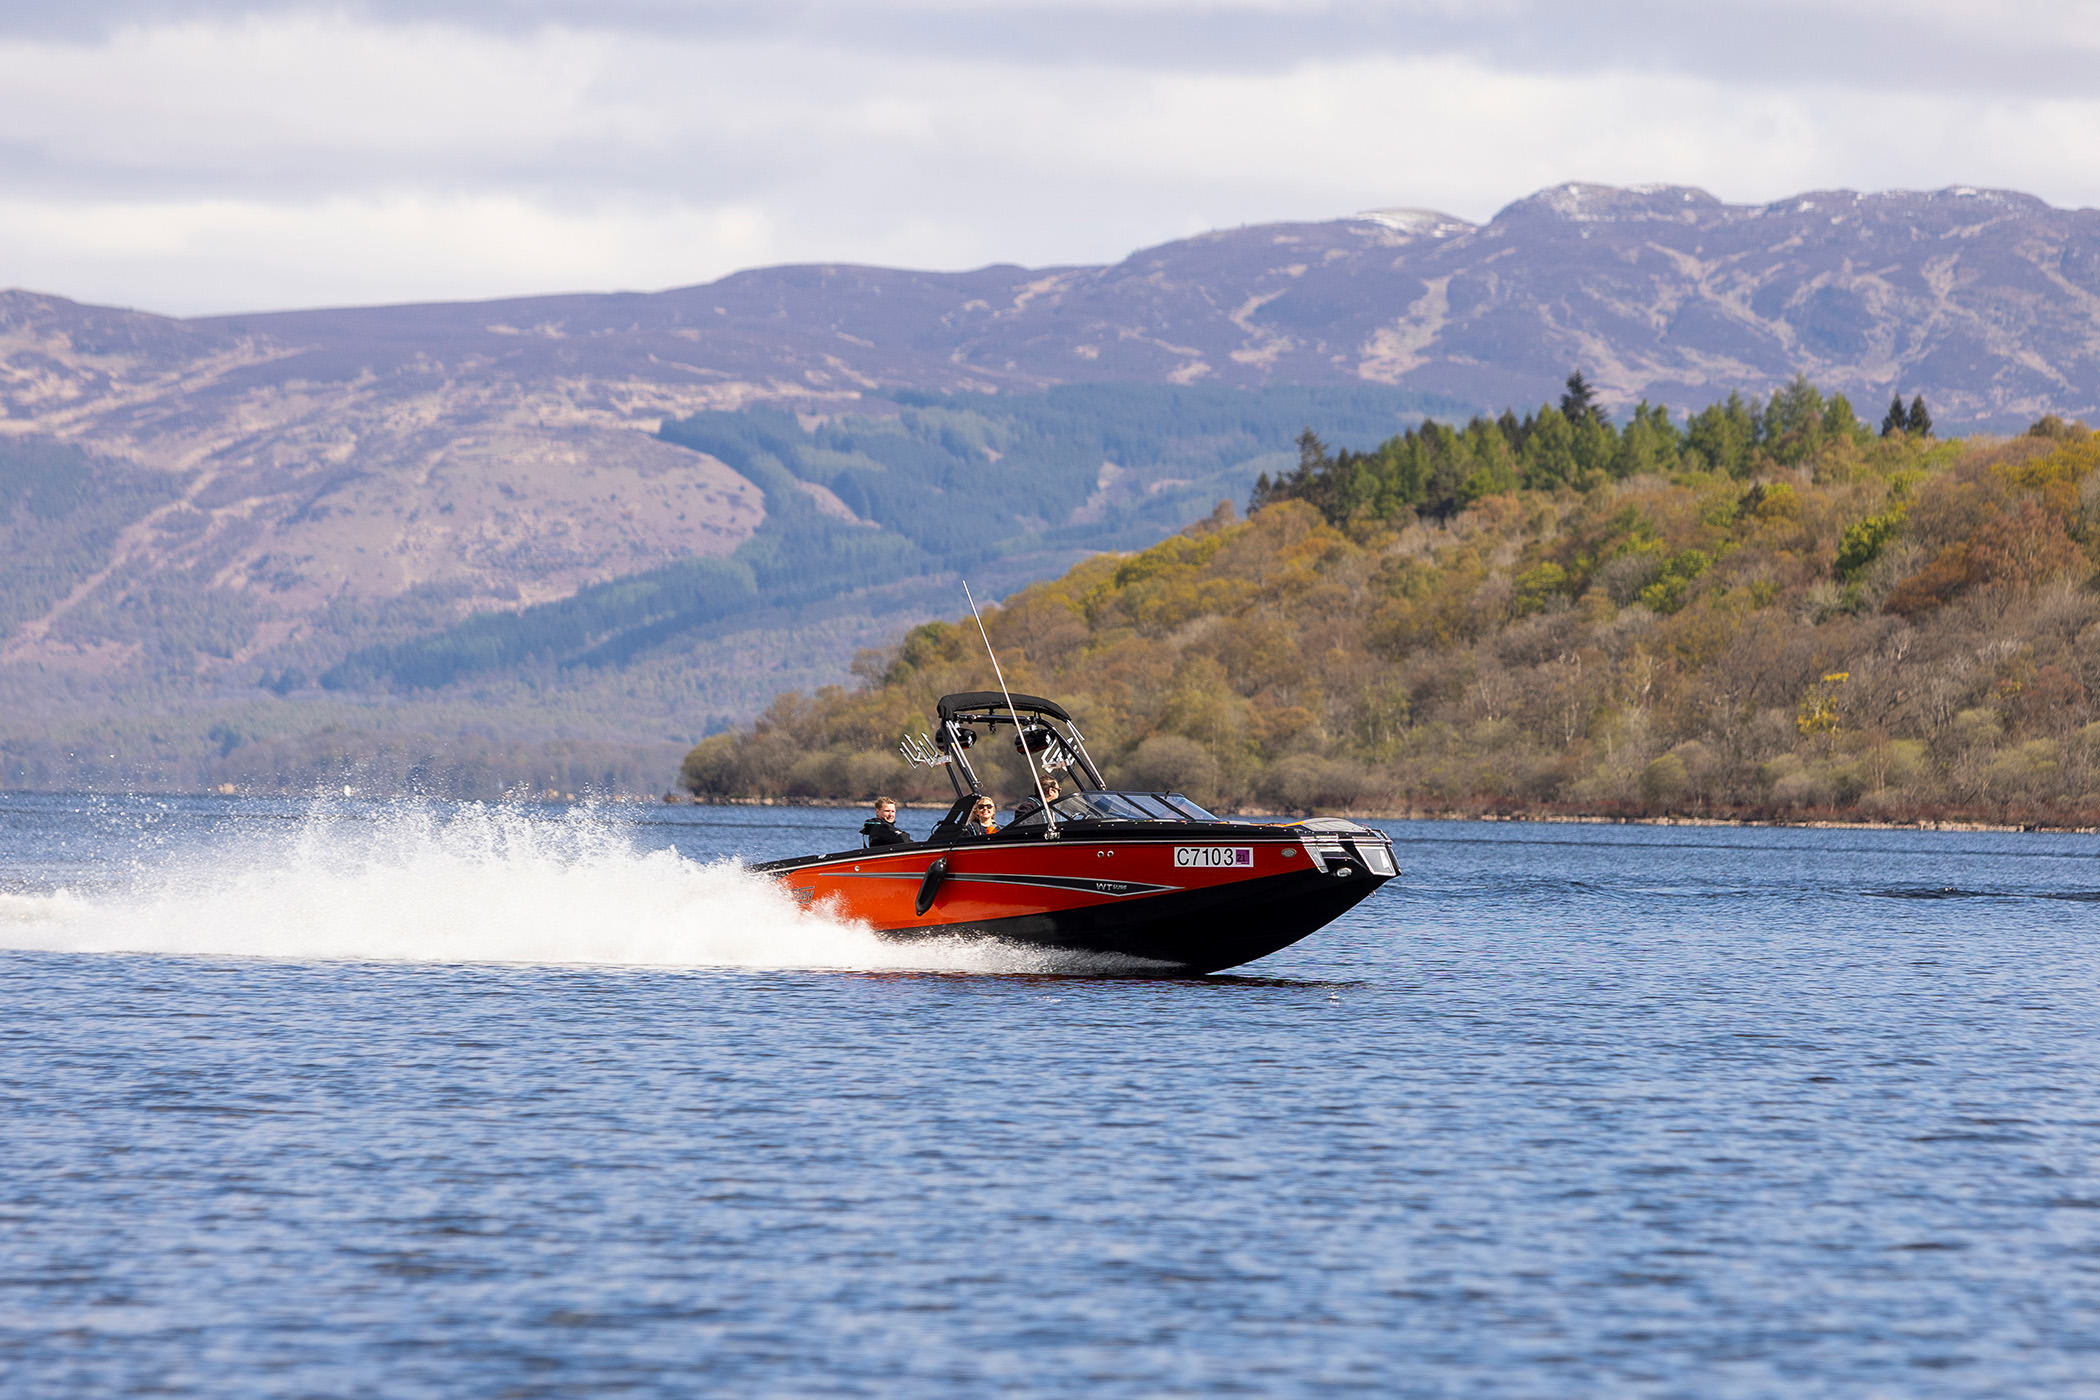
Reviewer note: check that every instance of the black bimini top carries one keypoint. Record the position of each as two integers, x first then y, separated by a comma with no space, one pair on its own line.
967,700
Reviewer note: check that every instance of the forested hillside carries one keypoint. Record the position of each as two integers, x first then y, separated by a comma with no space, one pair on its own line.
60,511
1010,487
1775,611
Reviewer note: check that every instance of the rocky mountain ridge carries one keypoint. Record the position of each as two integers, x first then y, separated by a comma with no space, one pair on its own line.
1988,301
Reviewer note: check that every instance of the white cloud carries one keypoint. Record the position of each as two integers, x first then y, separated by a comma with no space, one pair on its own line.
297,158
232,255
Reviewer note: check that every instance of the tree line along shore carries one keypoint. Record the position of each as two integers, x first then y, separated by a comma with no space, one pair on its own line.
1769,612
944,800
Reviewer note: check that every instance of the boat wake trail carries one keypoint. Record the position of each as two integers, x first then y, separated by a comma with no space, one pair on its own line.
472,885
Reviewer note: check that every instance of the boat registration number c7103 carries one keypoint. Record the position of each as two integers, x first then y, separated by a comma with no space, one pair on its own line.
1213,855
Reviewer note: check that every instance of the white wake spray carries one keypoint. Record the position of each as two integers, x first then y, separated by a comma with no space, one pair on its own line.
473,885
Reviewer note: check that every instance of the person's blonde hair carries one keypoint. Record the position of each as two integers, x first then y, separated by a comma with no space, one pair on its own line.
886,802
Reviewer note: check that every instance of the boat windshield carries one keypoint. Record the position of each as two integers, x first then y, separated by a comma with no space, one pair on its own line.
1189,809
1121,807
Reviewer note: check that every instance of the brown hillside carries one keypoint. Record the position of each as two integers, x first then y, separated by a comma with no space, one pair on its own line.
1686,644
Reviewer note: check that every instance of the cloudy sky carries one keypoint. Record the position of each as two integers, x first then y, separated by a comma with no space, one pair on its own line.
216,155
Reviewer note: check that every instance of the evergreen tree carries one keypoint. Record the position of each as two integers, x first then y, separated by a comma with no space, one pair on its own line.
1316,479
1896,419
1839,419
1724,434
1312,453
1548,458
1513,432
1437,470
1580,402
1596,443
1649,443
1639,450
1791,428
1918,423
1311,480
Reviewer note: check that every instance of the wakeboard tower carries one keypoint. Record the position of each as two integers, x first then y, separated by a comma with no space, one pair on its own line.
1129,880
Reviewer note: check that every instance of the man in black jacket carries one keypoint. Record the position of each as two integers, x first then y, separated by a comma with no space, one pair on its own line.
1031,806
881,829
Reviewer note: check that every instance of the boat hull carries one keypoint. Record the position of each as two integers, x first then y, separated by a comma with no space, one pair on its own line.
1194,932
1179,901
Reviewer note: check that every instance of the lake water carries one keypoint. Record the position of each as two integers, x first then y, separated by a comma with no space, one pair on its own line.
355,1100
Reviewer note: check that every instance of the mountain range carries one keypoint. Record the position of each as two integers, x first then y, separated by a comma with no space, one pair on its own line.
205,518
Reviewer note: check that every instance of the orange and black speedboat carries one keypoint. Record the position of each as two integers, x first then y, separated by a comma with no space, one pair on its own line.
1131,880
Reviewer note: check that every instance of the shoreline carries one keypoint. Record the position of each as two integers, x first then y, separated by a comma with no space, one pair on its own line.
2084,824
1831,821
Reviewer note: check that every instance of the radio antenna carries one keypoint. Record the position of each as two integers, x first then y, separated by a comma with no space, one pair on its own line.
1020,733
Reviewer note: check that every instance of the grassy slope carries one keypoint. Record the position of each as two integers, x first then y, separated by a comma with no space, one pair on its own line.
1682,643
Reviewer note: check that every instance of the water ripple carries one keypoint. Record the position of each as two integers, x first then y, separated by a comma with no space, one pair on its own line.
1640,1113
